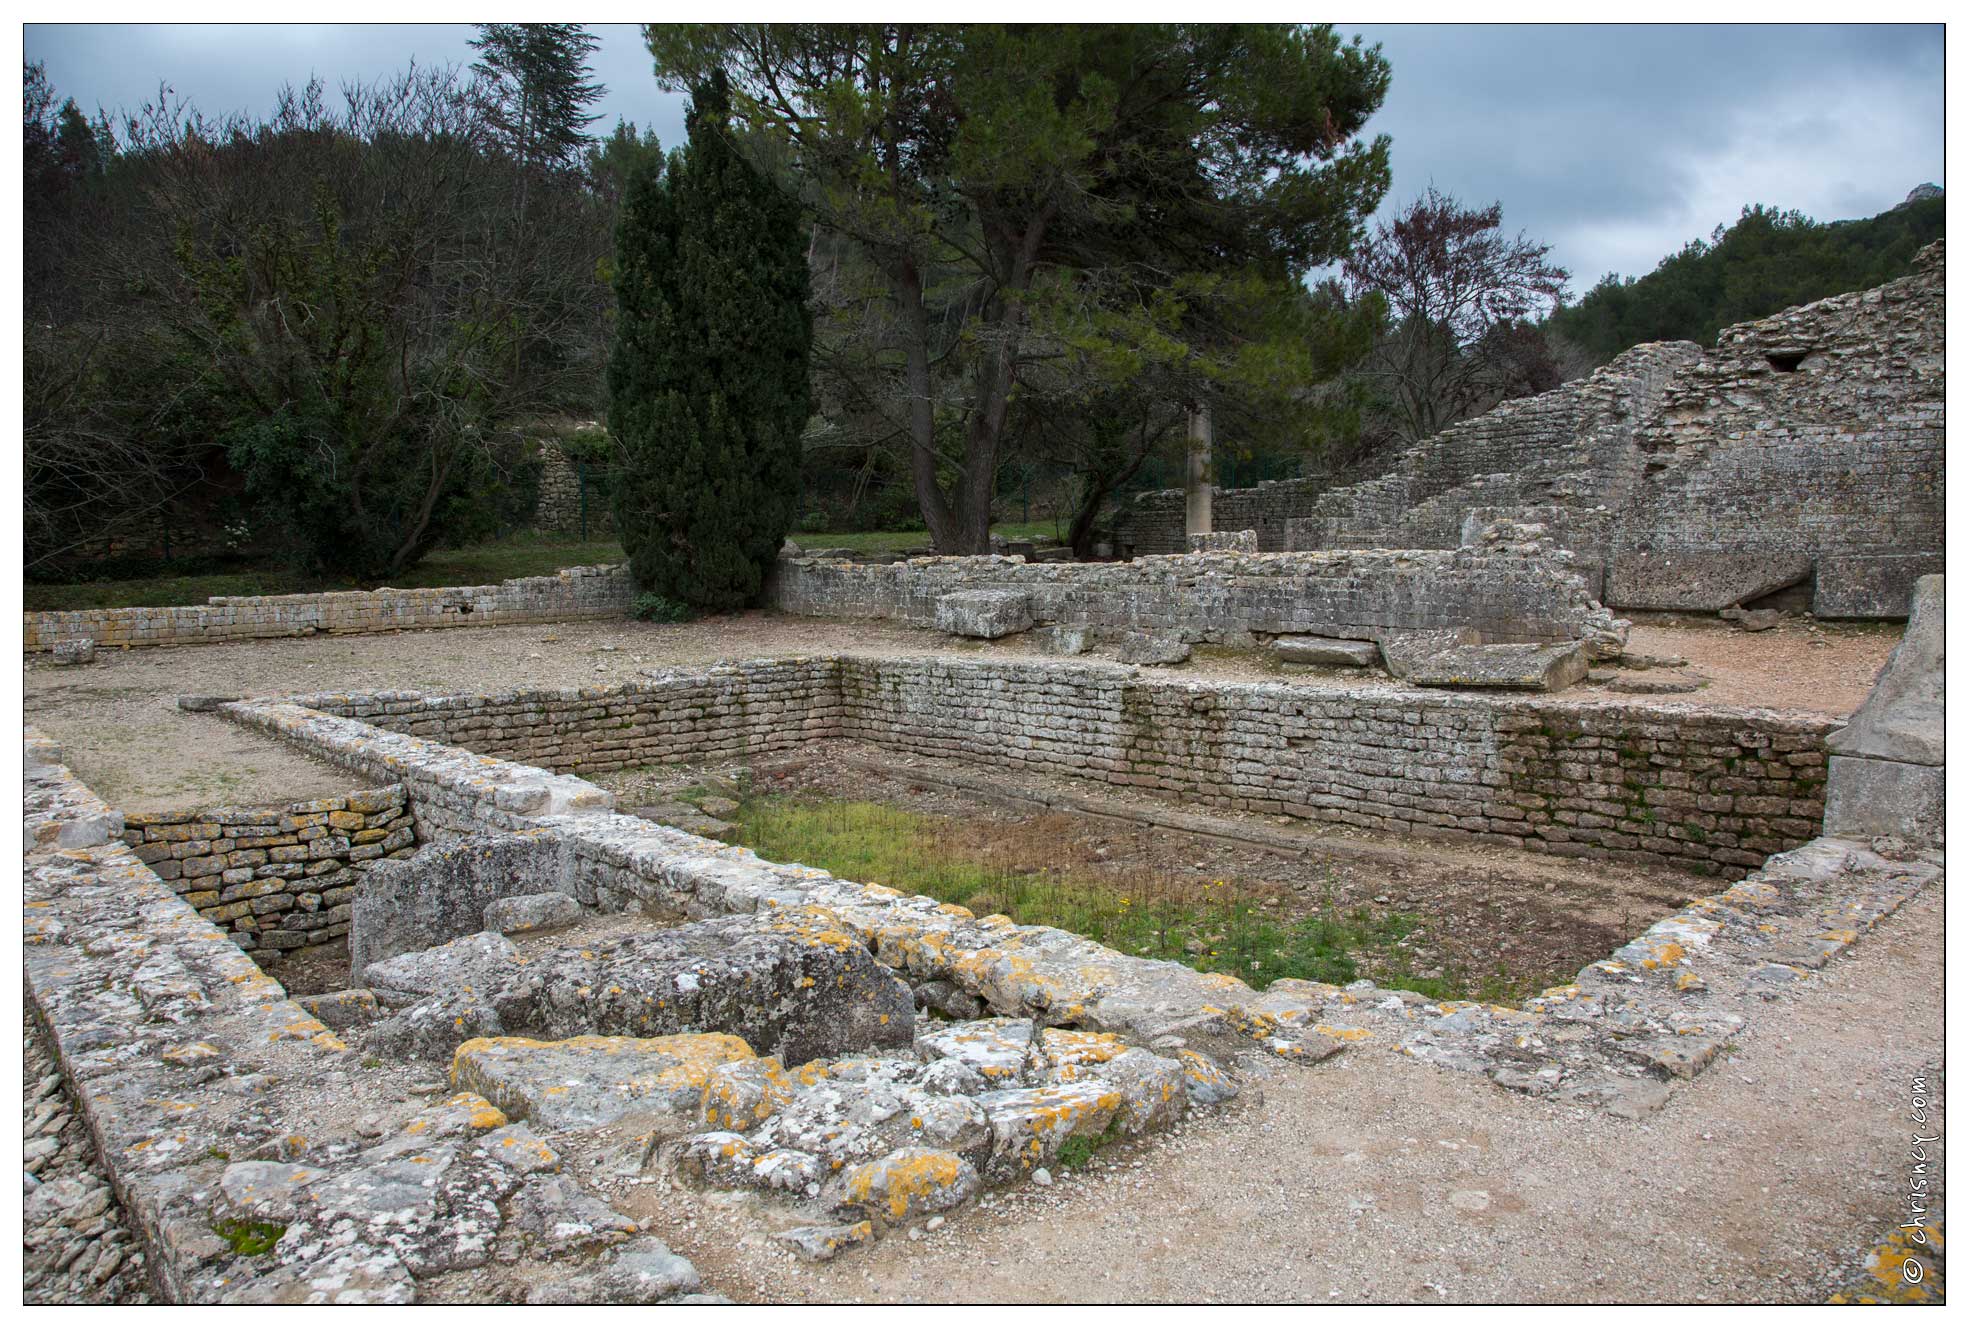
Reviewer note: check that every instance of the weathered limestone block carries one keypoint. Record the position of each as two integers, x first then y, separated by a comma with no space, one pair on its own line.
641,1272
987,614
1329,652
74,651
909,1183
824,1241
442,892
558,1217
1441,660
1224,542
789,982
1061,639
1154,1090
481,962
532,913
591,1080
1901,719
1865,797
999,1050
1028,1126
343,1009
1151,648
857,1110
1885,775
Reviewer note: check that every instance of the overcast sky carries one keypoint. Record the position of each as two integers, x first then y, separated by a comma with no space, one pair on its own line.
1616,145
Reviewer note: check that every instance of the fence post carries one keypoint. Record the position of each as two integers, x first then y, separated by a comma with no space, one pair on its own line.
581,471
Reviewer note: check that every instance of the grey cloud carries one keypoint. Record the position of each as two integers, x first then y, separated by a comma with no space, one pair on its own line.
1615,144
1583,130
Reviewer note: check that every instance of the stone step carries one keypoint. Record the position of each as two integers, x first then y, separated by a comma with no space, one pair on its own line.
1329,651
1449,659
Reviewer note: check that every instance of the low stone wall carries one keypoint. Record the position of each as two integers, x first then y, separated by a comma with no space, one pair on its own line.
1658,1010
450,791
727,711
277,877
143,1000
1700,789
1152,522
1359,594
572,593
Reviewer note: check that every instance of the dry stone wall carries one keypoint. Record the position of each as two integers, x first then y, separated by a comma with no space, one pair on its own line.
704,715
561,508
1565,458
1152,523
1804,447
1808,445
572,593
275,878
1700,789
1222,597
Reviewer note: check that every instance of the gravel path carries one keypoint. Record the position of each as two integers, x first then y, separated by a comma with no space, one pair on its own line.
1373,1177
126,738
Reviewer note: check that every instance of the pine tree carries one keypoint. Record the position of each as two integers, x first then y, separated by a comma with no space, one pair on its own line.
536,78
708,375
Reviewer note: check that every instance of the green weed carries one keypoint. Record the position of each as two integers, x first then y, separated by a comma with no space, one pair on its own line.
247,1237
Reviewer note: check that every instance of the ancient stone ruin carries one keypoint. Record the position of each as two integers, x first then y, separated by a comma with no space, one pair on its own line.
1805,449
551,1018
594,1004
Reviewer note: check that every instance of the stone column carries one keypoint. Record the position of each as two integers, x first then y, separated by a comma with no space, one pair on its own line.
1196,477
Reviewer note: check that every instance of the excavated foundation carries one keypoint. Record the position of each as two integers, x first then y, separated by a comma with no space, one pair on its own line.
552,1002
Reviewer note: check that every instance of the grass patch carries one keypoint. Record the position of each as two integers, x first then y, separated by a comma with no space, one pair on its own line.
1079,1150
1216,927
895,542
476,565
250,1238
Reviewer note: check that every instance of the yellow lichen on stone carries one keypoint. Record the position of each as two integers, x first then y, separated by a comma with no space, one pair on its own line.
900,1184
1345,1033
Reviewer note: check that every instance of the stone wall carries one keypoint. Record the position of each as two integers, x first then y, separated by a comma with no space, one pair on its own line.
1805,446
1361,595
278,877
1152,522
1700,789
1565,458
727,711
572,593
559,509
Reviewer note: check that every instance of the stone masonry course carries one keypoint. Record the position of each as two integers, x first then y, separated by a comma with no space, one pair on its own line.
1698,788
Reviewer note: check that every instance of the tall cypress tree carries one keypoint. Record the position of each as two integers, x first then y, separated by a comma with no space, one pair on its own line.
708,382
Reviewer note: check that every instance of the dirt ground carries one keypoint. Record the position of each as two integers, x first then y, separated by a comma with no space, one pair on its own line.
1374,1177
1495,922
124,735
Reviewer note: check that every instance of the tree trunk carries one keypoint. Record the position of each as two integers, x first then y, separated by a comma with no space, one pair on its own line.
930,499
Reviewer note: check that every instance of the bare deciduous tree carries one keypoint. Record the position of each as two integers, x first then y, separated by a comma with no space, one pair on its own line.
1455,286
